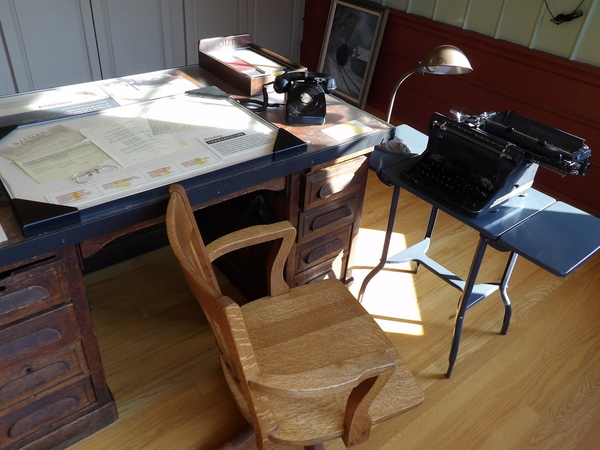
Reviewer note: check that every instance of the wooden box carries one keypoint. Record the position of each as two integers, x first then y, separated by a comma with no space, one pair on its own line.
239,62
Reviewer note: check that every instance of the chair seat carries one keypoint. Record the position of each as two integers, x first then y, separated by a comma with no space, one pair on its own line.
313,326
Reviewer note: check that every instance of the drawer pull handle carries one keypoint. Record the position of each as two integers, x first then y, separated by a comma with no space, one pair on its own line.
336,185
38,418
28,343
22,298
32,379
324,250
331,217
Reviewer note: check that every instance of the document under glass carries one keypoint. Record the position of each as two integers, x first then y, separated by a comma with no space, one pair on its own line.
91,159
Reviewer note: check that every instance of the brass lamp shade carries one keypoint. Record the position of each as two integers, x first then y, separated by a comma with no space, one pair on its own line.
442,60
445,60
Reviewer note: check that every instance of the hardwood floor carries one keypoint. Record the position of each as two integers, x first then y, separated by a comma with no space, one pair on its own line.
538,387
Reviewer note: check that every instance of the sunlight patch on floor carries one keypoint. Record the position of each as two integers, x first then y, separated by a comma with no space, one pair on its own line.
390,296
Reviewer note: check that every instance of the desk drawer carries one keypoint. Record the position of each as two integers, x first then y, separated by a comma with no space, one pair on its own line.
31,288
45,334
27,379
335,181
326,218
332,268
45,411
324,248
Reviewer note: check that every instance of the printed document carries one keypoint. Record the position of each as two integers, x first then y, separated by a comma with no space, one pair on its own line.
41,143
130,141
226,145
53,153
64,162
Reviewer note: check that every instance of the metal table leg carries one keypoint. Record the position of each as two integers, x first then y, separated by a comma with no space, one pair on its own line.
467,298
471,293
386,244
463,303
512,260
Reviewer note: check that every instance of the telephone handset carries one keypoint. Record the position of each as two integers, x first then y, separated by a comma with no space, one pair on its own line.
283,83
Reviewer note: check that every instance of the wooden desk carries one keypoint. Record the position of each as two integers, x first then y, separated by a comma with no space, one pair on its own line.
52,386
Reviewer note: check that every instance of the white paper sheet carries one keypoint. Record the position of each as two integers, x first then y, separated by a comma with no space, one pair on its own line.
131,141
40,143
64,162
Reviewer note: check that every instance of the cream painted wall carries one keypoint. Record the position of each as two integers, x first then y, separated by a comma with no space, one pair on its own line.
524,22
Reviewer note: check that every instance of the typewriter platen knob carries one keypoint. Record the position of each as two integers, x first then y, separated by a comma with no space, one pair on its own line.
583,169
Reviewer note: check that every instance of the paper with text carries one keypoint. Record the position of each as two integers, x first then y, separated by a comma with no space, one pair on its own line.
41,143
53,153
130,141
226,145
67,161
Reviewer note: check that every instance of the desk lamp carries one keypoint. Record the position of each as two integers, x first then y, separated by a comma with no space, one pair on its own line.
442,60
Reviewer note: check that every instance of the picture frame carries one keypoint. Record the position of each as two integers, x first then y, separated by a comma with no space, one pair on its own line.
351,45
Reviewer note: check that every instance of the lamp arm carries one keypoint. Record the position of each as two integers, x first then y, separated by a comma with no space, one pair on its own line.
393,97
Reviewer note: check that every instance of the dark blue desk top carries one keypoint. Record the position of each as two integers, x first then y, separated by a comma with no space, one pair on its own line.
559,238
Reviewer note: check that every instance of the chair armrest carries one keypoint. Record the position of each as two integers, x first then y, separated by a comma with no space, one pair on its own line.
259,234
331,379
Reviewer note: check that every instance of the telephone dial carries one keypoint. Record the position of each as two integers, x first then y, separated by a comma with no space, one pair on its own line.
305,95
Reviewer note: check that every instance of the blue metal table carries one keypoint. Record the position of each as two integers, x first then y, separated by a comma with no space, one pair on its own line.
524,226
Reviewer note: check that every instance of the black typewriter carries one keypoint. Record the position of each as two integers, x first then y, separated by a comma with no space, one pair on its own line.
475,163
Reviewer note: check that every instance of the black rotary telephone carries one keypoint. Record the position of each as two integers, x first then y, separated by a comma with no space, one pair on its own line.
305,95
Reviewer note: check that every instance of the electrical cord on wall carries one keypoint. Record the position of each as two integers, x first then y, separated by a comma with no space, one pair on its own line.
565,17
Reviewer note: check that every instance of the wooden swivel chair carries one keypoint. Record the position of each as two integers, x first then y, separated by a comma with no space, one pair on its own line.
305,365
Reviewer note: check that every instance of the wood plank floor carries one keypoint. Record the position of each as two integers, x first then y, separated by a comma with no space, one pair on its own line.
538,387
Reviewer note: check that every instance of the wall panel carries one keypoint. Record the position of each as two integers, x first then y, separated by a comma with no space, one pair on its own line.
586,49
274,24
137,36
425,8
48,43
402,5
547,88
557,39
278,25
452,12
519,20
522,22
7,82
482,16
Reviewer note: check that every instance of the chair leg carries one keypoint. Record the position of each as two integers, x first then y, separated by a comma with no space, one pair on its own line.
315,447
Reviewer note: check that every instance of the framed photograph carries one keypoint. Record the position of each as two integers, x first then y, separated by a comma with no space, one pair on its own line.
350,48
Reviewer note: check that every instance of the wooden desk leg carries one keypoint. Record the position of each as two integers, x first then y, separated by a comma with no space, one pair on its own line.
386,244
463,303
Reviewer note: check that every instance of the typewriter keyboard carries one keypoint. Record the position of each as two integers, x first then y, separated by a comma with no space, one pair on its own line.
453,181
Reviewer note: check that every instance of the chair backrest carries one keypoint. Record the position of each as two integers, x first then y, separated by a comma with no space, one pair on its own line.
222,313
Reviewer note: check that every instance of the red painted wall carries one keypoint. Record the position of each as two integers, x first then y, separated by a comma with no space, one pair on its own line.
553,90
